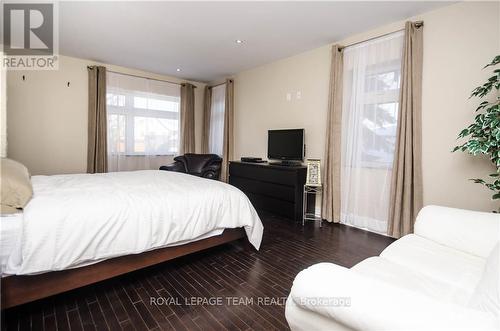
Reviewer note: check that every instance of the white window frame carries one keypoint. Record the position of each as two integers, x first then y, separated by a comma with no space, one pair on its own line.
130,112
383,97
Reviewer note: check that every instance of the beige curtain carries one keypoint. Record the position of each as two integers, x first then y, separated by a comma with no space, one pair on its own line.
207,107
228,141
406,184
187,143
331,190
97,155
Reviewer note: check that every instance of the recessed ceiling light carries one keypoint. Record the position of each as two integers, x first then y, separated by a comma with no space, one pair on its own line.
238,41
178,69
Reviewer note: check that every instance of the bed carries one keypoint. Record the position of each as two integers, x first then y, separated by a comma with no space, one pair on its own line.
83,228
10,230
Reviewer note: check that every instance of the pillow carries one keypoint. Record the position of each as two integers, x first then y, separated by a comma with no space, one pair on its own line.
8,210
15,185
486,297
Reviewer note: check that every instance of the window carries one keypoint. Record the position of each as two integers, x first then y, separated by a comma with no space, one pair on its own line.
381,94
379,139
217,108
143,116
381,101
370,101
373,95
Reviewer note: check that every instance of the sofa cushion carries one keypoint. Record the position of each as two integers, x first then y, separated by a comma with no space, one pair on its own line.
439,262
300,319
195,163
365,303
410,279
486,297
469,231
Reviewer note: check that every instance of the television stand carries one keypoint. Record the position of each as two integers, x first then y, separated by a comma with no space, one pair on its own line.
286,163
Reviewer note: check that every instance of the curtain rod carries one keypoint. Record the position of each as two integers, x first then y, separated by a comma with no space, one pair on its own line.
131,75
418,24
220,84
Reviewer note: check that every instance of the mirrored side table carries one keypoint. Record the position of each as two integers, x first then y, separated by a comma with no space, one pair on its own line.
312,192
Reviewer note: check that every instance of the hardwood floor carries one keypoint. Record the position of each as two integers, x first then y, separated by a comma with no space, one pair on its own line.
228,287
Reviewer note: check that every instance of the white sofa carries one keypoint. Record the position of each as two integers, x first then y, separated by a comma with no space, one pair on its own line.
445,276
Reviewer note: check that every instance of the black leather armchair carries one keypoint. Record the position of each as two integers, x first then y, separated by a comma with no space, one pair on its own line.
201,165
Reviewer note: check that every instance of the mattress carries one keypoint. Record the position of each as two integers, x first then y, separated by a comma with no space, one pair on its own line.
81,219
10,235
10,231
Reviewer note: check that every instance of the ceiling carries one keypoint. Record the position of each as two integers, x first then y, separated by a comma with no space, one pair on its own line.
199,37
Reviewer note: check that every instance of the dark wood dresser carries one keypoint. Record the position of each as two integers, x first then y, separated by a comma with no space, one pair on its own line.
273,188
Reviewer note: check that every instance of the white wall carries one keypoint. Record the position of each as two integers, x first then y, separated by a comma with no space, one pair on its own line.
458,41
47,120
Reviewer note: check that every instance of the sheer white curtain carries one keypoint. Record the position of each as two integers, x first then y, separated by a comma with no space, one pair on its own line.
369,118
143,122
216,135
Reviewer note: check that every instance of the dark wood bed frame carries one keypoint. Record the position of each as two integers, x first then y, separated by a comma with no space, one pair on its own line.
17,290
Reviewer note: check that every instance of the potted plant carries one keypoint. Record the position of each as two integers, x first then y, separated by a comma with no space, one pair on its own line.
483,135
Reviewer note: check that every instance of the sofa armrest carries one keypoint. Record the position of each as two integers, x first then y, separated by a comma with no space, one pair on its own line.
469,231
212,171
176,166
377,305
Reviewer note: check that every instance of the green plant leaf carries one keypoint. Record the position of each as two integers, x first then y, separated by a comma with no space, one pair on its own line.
495,61
483,134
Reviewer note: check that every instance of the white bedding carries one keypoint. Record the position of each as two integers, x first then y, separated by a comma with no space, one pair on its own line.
75,220
10,230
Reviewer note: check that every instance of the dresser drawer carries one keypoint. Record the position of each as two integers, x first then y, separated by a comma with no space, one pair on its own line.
277,191
265,174
272,205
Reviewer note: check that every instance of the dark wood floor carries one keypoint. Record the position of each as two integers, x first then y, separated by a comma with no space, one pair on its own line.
247,288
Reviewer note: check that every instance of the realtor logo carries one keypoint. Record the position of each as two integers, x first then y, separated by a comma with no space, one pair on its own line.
29,36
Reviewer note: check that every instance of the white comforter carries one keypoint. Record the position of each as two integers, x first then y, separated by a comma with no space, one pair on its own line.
75,220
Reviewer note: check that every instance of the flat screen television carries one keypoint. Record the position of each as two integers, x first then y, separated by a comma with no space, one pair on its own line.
285,145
